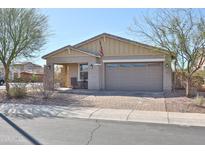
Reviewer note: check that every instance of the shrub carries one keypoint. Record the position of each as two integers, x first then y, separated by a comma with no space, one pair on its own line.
197,81
200,73
18,80
18,91
180,80
39,90
34,78
199,100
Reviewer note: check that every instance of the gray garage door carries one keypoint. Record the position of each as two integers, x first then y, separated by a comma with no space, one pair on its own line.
134,76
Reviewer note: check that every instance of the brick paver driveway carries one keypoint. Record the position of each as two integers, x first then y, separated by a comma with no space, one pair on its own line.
118,99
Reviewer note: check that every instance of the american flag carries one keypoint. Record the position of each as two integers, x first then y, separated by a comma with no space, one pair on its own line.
101,50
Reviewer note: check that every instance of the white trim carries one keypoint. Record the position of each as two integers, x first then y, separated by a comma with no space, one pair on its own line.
68,48
79,50
133,60
97,64
79,72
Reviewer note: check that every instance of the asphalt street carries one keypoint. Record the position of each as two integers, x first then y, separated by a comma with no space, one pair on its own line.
85,131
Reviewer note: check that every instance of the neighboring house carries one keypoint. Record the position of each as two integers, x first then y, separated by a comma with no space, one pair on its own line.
25,70
27,67
126,65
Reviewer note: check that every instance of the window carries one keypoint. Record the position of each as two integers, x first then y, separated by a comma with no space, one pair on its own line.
83,72
112,65
127,65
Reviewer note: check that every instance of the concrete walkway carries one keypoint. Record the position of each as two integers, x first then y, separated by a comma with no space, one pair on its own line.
36,111
188,119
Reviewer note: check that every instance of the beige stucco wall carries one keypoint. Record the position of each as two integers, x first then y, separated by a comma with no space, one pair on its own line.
73,70
167,78
94,77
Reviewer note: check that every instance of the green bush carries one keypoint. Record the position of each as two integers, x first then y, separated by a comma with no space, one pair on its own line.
18,91
34,78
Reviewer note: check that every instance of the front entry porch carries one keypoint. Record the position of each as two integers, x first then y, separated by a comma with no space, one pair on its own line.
72,75
71,68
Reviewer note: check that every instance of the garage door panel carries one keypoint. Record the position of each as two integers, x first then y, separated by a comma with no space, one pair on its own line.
134,76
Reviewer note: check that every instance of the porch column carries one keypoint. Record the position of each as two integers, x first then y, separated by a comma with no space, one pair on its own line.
65,76
48,81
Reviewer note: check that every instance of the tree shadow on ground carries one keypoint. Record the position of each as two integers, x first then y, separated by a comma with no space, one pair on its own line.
24,111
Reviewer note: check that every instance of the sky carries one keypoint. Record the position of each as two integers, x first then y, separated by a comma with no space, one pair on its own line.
71,26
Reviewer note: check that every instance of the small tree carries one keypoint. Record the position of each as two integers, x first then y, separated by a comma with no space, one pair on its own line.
22,33
181,31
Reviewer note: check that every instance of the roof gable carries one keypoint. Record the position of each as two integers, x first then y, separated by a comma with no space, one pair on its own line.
103,36
69,50
91,47
26,64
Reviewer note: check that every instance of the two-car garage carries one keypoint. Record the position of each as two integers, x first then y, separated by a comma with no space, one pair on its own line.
141,76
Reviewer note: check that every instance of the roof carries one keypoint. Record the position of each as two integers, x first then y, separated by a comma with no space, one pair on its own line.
29,73
73,48
121,39
24,63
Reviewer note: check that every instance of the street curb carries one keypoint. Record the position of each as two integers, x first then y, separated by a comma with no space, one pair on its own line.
172,118
175,118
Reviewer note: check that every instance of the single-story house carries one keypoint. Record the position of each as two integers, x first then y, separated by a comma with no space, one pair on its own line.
110,62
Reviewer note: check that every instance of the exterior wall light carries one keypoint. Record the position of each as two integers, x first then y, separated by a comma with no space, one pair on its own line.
91,66
96,64
48,66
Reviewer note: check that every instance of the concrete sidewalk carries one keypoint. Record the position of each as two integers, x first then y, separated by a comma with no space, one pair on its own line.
36,111
188,119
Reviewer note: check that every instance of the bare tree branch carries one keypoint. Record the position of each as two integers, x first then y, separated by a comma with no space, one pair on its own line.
23,33
176,30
